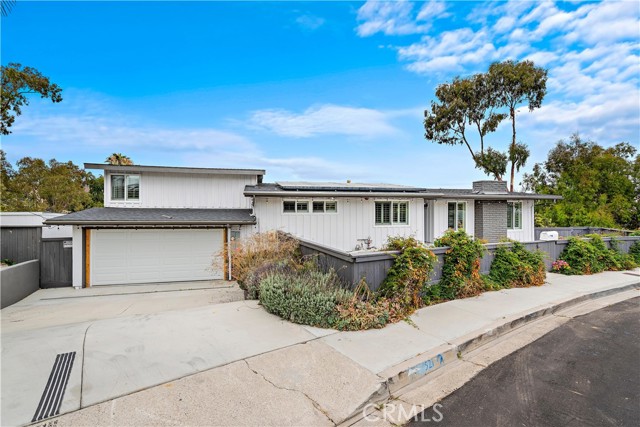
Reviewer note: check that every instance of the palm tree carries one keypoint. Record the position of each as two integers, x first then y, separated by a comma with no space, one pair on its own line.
119,159
6,6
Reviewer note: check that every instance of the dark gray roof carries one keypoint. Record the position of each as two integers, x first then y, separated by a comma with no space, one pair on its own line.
174,169
148,216
356,190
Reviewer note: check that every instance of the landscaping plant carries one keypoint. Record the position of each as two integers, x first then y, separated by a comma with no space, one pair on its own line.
514,267
591,255
408,275
460,271
634,252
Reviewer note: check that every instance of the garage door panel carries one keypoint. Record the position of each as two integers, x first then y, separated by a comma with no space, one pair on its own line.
144,256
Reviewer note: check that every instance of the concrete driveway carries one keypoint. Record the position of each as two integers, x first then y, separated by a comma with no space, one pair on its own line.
124,339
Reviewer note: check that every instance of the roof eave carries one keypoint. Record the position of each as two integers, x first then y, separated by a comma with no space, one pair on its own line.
148,223
374,194
174,169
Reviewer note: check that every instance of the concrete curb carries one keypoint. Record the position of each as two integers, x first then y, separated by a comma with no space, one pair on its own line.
415,369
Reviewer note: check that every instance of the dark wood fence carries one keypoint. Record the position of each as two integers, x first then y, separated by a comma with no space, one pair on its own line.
20,244
56,263
373,266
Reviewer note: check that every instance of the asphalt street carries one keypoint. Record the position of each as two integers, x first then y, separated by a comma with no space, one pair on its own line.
584,373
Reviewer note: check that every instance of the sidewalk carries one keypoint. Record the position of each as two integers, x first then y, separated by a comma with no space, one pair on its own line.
268,371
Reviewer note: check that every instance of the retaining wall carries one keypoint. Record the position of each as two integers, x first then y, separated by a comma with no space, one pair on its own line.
19,281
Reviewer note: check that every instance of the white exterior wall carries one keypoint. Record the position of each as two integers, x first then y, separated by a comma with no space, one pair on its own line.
354,220
29,219
440,224
182,190
76,257
526,233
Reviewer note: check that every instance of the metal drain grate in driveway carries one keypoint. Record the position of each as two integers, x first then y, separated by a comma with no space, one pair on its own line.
53,393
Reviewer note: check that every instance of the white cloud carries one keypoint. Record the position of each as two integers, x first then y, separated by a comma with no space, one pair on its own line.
592,51
310,22
397,17
325,120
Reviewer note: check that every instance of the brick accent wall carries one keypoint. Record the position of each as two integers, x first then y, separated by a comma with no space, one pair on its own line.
491,220
490,186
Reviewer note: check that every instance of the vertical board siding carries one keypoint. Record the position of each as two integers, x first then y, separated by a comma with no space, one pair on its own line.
20,244
354,220
526,233
56,268
440,223
183,190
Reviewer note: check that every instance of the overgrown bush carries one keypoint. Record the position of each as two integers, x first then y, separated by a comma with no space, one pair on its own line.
407,276
306,297
517,267
634,252
460,271
251,284
262,249
591,255
361,311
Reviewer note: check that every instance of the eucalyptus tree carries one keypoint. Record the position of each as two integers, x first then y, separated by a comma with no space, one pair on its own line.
481,102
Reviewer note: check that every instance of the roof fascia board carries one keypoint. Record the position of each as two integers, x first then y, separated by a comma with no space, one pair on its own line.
173,169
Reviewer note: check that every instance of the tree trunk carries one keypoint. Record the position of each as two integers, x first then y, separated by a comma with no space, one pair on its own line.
513,145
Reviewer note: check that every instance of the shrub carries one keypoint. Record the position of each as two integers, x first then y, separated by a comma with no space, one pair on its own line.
358,312
592,256
461,268
560,266
308,297
517,267
634,251
635,233
262,249
251,284
407,276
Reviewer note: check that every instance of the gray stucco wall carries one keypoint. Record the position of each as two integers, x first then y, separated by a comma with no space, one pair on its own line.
19,281
491,220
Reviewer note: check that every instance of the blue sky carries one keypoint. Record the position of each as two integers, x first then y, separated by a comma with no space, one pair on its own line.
311,90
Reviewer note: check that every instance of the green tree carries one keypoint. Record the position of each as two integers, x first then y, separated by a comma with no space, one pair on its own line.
96,189
481,102
39,186
119,159
600,186
515,83
18,83
6,175
463,104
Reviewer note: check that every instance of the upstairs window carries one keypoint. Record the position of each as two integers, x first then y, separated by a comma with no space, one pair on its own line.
391,213
456,215
125,187
514,215
306,206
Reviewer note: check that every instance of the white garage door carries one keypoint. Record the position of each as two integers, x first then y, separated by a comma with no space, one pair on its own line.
159,255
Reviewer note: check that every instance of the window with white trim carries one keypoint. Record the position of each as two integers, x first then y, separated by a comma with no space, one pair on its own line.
391,213
125,187
456,215
320,206
514,215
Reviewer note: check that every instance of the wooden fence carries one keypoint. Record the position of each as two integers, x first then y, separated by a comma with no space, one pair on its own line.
373,266
20,244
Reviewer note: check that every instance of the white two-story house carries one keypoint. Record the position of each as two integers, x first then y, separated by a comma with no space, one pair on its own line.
168,224
160,224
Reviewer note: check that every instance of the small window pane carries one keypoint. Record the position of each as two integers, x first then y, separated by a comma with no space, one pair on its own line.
331,206
510,215
288,206
318,206
133,187
383,213
302,207
402,213
117,187
461,216
517,215
451,215
395,213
